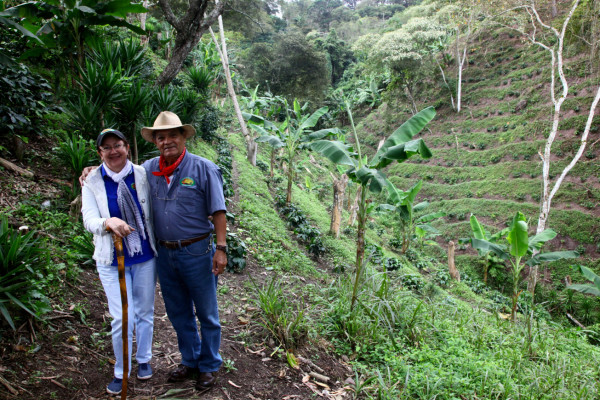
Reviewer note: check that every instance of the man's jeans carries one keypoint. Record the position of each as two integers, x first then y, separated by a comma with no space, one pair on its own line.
141,281
187,282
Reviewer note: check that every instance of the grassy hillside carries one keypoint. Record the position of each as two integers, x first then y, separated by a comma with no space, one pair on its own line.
415,333
485,158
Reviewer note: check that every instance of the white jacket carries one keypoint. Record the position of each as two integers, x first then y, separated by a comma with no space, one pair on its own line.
94,207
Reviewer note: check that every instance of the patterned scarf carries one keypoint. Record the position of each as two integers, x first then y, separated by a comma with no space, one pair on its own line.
165,170
130,213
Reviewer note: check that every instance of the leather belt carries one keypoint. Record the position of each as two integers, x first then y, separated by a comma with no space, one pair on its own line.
177,244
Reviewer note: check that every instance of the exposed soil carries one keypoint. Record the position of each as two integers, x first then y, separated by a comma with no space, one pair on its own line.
70,358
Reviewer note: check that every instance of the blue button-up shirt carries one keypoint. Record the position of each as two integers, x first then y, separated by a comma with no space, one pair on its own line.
181,211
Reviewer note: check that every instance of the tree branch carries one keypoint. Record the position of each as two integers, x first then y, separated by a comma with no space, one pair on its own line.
168,12
249,17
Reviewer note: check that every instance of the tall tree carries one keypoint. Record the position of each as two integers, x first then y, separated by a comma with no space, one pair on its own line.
549,38
222,49
188,31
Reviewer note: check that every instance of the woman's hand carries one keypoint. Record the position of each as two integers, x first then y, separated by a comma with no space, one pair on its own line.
118,227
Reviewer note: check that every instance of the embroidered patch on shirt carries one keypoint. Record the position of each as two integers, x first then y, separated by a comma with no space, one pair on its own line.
188,182
133,186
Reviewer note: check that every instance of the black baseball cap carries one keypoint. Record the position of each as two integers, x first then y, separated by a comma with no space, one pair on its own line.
108,132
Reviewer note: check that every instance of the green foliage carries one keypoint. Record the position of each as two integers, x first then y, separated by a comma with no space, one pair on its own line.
84,248
293,134
368,174
285,321
404,208
24,99
519,245
236,253
75,153
593,288
19,254
302,227
290,66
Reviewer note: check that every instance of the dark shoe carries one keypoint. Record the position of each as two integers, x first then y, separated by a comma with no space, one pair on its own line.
115,386
144,371
182,373
206,380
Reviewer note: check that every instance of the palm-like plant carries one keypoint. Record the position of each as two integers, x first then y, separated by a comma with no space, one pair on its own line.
165,99
398,147
17,254
294,132
135,99
130,56
519,246
76,153
201,78
402,203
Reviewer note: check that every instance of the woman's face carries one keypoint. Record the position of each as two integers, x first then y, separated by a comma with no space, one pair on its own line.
114,153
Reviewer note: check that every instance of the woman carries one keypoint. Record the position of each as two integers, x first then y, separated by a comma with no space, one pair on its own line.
116,199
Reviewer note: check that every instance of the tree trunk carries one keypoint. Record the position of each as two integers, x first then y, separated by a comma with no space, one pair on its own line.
557,67
272,172
412,99
288,198
446,83
354,207
188,31
339,188
360,244
252,147
454,274
144,39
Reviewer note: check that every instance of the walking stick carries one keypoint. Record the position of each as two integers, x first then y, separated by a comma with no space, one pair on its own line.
118,241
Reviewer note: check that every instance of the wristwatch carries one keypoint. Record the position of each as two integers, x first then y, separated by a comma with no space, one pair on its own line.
222,248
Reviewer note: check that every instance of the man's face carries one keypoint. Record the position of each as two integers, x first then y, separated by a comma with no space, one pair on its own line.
170,143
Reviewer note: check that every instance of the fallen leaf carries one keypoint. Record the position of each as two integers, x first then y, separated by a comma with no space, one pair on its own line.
305,378
243,321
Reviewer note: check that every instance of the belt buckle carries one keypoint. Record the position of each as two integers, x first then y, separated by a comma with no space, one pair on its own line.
179,247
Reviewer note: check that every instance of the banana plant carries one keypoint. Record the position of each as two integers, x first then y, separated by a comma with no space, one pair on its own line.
519,247
593,288
402,204
398,147
293,133
479,232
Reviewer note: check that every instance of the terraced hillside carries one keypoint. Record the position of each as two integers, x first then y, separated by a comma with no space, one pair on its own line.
486,157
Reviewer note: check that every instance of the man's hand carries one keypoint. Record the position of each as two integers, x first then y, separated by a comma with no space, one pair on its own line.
86,171
118,227
219,262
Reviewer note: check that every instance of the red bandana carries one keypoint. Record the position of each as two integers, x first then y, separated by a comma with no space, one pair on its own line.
165,170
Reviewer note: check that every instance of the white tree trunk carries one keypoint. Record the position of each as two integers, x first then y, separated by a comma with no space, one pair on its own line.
250,143
144,39
556,53
446,83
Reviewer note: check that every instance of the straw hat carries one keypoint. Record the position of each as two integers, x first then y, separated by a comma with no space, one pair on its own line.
167,120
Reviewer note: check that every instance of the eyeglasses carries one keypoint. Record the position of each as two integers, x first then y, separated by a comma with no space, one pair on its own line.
107,149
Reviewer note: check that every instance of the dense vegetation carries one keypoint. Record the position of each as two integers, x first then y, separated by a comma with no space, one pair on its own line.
428,118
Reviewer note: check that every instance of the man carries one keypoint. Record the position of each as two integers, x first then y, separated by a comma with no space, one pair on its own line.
187,192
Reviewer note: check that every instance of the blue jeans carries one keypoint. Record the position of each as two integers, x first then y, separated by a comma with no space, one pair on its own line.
187,282
140,280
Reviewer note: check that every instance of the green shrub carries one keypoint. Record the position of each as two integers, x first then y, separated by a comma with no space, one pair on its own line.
23,100
18,255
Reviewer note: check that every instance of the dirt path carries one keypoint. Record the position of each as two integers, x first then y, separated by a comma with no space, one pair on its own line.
70,358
